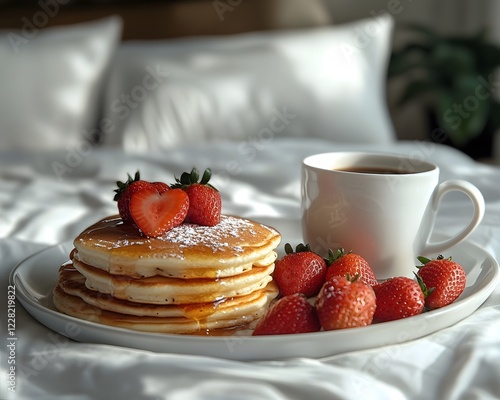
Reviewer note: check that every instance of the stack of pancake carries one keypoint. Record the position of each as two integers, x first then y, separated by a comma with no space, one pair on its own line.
193,279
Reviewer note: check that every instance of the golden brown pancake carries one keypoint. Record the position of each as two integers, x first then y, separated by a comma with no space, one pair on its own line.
72,283
231,247
225,315
190,280
163,290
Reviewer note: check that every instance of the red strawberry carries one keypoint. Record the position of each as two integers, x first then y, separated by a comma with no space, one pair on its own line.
302,271
205,202
290,314
398,297
352,264
129,187
160,186
444,279
342,303
155,213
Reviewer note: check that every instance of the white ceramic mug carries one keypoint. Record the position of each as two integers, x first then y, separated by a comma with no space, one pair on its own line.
386,216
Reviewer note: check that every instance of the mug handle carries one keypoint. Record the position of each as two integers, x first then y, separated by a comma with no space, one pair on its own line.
479,207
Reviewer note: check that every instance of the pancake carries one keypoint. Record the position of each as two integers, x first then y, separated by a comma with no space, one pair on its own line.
192,279
233,246
72,283
76,307
163,290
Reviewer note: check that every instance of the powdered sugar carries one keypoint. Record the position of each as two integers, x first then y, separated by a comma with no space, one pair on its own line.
188,235
232,236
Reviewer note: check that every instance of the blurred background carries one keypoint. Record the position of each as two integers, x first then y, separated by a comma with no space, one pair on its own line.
440,77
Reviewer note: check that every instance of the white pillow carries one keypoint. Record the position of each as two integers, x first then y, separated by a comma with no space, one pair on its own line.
51,82
324,82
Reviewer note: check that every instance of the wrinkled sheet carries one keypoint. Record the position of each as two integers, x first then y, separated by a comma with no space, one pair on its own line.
46,199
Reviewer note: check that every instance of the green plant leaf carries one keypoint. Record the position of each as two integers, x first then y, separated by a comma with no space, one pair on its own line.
417,88
423,30
494,119
486,53
461,119
488,58
413,56
452,72
453,60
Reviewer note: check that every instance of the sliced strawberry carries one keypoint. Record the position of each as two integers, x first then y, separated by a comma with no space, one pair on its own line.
155,213
128,188
160,186
124,192
290,314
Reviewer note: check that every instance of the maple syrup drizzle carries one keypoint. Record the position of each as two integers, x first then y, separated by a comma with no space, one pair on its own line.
123,245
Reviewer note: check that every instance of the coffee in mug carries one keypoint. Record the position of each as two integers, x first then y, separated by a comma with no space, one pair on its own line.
380,206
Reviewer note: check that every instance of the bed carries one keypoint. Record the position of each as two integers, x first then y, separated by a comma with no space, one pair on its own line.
55,182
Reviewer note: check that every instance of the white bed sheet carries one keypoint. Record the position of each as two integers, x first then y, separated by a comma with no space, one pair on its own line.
259,180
